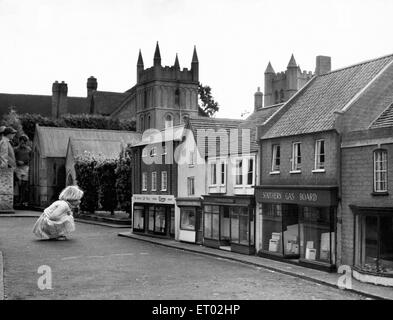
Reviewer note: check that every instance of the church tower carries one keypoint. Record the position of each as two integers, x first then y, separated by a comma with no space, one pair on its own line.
166,95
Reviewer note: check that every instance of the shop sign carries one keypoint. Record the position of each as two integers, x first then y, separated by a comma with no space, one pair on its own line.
153,198
310,197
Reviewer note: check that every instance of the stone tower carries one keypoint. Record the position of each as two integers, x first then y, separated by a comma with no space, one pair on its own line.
281,86
165,96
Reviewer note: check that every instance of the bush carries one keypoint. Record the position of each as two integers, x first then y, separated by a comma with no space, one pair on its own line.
106,178
123,181
85,176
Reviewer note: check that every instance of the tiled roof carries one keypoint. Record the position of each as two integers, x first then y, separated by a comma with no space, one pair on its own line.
106,148
106,102
39,104
54,141
312,108
384,120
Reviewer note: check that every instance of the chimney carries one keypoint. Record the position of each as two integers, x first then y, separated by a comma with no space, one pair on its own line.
63,105
91,85
55,99
258,96
323,65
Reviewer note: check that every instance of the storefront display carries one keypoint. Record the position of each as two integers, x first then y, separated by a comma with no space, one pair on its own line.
191,227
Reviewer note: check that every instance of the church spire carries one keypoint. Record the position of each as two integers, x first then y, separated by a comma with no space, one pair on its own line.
177,65
292,62
157,56
269,68
195,56
140,60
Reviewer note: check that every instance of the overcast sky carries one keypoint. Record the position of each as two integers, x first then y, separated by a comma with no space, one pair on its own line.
47,40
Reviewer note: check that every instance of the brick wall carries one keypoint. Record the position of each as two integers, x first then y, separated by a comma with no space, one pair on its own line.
357,189
6,190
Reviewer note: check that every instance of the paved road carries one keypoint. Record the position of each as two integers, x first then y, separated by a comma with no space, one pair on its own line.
97,264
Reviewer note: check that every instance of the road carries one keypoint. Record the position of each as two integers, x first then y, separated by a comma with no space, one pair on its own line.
95,263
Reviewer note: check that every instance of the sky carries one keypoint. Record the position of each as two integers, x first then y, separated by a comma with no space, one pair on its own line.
48,40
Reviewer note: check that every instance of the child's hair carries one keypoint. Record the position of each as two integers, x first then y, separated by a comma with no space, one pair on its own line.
71,193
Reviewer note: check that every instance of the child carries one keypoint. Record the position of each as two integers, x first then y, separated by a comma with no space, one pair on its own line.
57,220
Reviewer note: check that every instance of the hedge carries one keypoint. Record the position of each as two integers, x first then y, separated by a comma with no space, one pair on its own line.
106,180
123,181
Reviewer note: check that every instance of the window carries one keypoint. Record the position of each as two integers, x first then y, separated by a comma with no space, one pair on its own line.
139,218
222,173
191,161
296,157
177,97
239,172
154,181
168,121
250,172
187,219
144,181
211,222
319,154
380,171
213,173
242,225
191,186
276,158
164,181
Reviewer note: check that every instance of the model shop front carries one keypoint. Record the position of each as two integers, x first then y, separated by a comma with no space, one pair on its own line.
297,223
229,223
154,215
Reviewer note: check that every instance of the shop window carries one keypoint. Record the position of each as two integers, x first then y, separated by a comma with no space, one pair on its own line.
375,245
172,221
191,186
164,180
211,222
154,181
139,218
317,234
151,218
159,225
380,171
319,155
168,121
296,157
187,219
242,226
276,158
239,171
144,181
225,222
280,229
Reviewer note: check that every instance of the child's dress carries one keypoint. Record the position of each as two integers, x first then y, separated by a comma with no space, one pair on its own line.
56,221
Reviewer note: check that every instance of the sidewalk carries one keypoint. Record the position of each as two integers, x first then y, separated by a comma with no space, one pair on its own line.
320,277
36,214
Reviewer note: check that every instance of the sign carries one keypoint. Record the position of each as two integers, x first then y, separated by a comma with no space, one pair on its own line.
153,198
315,197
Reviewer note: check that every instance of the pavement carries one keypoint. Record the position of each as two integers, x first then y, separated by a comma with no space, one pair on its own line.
97,264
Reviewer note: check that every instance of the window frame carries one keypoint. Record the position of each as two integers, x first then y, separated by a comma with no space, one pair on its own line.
274,168
191,183
296,148
384,171
164,187
144,181
154,181
318,154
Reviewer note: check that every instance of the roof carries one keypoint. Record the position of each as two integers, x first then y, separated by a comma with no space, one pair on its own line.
174,133
312,108
38,104
53,141
385,119
108,149
213,128
106,102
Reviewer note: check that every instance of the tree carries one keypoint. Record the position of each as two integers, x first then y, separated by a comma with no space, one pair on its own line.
208,104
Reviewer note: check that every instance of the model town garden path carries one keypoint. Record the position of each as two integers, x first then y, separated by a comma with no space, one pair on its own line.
97,264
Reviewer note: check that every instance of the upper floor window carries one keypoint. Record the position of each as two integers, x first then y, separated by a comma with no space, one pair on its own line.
296,157
191,160
154,181
276,158
168,121
191,186
380,171
177,97
164,181
213,173
250,171
144,181
319,154
239,171
218,172
222,173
